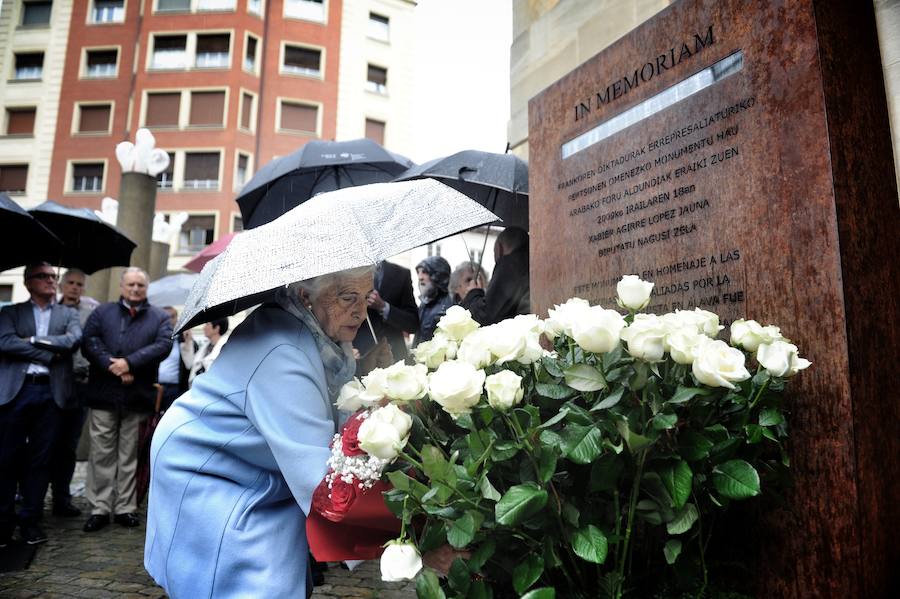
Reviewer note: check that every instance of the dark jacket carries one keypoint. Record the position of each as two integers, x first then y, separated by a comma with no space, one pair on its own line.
53,351
429,314
394,284
143,340
507,294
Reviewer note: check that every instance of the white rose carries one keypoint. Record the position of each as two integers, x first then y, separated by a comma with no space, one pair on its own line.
439,349
645,337
456,386
562,316
405,383
682,344
718,365
504,389
597,330
749,334
400,561
374,387
516,339
633,293
348,399
706,323
457,322
781,359
385,432
475,349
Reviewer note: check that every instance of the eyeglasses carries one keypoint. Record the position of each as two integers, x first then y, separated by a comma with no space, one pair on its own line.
43,276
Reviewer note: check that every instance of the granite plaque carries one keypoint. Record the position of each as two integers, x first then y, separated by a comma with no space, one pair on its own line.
737,154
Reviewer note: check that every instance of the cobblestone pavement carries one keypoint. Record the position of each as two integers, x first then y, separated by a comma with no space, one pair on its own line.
109,565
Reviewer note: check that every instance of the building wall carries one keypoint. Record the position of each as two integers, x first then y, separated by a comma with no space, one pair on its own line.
358,49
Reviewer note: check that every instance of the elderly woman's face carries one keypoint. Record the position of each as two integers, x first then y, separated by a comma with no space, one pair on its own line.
341,308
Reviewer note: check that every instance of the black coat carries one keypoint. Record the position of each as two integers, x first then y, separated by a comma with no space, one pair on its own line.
394,284
507,294
429,315
143,340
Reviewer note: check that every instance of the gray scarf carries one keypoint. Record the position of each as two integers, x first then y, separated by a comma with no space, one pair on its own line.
338,360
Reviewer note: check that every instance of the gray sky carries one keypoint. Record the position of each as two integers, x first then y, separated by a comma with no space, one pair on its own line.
462,85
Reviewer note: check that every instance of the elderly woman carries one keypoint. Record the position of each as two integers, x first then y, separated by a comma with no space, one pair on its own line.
236,459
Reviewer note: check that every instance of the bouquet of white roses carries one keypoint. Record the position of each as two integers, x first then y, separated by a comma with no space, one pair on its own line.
554,468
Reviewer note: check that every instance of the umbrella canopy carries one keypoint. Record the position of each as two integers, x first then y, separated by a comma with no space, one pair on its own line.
218,246
348,228
89,243
172,290
23,239
498,182
319,166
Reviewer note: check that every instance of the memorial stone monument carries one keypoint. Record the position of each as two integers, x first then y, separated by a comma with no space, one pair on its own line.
737,153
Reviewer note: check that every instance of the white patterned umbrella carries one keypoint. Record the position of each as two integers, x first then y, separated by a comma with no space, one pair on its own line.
347,228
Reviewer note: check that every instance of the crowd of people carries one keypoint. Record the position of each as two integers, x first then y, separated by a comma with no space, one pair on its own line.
69,364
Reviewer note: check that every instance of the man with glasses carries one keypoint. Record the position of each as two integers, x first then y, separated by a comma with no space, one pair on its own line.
37,339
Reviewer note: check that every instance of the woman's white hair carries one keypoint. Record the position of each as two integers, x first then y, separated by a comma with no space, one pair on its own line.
316,285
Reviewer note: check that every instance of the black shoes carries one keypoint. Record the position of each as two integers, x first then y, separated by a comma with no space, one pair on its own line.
33,534
96,522
66,510
127,520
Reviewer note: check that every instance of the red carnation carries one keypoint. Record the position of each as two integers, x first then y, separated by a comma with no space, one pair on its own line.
350,436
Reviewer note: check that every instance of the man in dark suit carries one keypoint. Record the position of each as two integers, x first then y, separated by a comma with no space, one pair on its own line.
392,310
37,339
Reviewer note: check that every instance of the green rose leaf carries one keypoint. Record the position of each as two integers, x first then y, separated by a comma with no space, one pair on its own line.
541,593
552,439
612,357
736,479
672,550
589,543
583,444
553,391
428,586
634,441
461,531
459,577
678,480
610,400
585,378
694,446
479,590
547,464
770,417
488,491
481,555
683,394
527,572
551,366
605,473
559,416
684,520
663,421
519,503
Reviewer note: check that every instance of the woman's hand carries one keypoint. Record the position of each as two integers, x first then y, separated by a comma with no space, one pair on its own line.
379,356
441,559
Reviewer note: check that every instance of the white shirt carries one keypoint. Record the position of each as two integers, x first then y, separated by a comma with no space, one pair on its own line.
41,328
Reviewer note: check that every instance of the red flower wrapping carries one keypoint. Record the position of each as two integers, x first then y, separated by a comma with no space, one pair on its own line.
350,436
333,503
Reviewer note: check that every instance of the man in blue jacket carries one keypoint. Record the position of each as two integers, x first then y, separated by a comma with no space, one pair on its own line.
124,341
37,339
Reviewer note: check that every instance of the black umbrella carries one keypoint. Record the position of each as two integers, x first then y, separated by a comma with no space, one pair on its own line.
23,240
317,167
499,182
89,243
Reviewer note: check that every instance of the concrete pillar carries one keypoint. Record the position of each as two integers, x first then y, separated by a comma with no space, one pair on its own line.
159,260
97,285
137,204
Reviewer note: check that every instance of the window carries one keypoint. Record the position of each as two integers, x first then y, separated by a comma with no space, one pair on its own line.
201,170
376,80
20,121
311,10
250,54
212,51
299,117
247,111
94,118
166,179
299,60
169,52
162,109
375,131
197,232
6,294
379,27
221,5
87,177
242,170
108,11
13,178
207,108
101,63
254,7
29,66
173,5
36,14
237,223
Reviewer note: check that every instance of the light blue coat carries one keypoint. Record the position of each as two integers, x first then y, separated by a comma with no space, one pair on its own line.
234,463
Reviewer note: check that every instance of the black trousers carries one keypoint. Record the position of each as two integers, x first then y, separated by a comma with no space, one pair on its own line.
33,416
62,463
